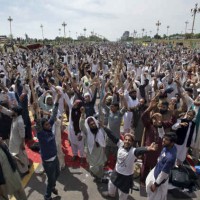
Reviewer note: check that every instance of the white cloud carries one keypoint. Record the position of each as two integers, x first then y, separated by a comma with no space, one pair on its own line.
109,18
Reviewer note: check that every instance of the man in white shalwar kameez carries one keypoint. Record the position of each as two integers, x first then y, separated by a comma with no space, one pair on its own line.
132,101
186,132
75,134
95,144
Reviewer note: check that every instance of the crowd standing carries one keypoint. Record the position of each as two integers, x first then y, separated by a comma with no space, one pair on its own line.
127,101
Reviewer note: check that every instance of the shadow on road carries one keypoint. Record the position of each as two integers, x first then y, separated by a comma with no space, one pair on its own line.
75,183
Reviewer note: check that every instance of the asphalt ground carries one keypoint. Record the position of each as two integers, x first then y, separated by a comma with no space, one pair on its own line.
78,184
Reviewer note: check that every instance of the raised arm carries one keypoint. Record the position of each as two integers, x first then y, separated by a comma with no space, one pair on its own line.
82,120
111,135
146,114
142,150
55,109
5,111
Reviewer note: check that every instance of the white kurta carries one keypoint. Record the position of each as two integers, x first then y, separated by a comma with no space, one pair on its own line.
57,133
17,135
12,179
73,138
129,115
161,191
183,149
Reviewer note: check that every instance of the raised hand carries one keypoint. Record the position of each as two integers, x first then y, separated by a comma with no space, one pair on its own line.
59,94
82,109
184,124
152,147
153,103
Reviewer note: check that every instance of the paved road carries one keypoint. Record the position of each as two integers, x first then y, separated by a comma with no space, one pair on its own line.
77,184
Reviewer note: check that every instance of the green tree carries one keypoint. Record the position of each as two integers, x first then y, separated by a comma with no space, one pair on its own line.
157,36
188,35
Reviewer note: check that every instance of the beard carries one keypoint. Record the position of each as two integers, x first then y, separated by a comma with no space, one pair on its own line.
133,98
163,111
72,93
94,130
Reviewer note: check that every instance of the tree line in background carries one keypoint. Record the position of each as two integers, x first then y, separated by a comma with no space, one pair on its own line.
173,36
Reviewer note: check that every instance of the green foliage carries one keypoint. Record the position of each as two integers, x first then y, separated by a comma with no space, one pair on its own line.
164,36
188,35
157,36
197,35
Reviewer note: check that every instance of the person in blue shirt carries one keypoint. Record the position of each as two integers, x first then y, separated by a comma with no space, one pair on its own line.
157,179
48,150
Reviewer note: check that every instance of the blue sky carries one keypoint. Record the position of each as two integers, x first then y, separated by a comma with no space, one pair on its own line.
109,18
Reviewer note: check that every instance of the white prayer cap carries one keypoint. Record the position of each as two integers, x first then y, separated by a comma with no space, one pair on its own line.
159,84
198,90
173,98
87,94
59,88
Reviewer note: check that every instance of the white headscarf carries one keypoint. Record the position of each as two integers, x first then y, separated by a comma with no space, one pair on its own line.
91,139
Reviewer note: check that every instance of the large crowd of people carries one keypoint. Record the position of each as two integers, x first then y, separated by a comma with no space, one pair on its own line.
120,100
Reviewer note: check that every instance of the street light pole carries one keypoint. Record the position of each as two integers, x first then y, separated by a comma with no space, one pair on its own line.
10,20
186,23
167,31
41,26
194,12
85,31
64,24
158,24
134,35
143,32
150,33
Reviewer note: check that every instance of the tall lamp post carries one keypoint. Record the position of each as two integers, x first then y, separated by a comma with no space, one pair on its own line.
158,24
143,32
150,33
186,23
134,34
41,26
194,11
167,31
85,31
64,24
10,20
